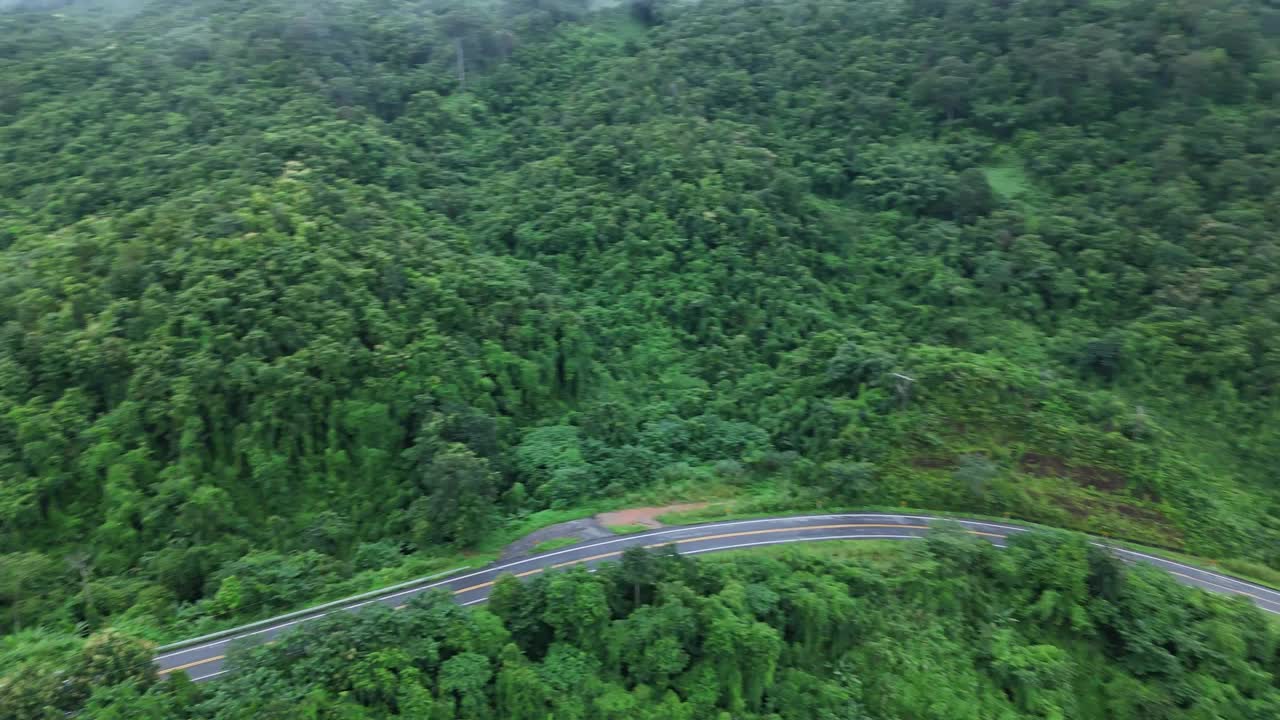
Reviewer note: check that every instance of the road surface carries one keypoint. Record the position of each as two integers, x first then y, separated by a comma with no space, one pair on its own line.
205,660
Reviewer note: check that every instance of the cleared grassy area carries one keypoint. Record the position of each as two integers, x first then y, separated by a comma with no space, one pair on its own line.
1257,572
1008,180
619,25
627,529
874,551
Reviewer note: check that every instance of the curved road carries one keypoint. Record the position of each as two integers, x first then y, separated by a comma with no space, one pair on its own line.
204,661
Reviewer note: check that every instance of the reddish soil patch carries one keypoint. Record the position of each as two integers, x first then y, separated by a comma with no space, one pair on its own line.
932,462
1149,519
1089,476
1043,465
1078,511
647,516
1144,514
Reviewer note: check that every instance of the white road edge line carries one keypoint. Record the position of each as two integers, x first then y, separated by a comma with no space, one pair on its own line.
672,531
785,541
1210,573
793,540
576,548
765,542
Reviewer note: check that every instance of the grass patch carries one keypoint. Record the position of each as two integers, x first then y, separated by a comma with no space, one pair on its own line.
872,551
711,513
554,544
1257,572
627,529
617,23
1008,180
758,500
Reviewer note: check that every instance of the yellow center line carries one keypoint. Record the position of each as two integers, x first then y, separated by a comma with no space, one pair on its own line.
766,531
166,671
614,553
526,573
724,536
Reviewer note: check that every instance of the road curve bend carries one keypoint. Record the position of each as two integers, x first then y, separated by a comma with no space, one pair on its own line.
204,661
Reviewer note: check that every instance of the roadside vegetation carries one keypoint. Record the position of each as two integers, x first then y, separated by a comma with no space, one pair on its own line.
628,529
945,628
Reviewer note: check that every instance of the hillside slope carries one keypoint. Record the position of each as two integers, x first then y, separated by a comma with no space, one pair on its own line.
289,297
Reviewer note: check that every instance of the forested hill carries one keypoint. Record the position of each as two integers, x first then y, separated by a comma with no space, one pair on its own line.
294,290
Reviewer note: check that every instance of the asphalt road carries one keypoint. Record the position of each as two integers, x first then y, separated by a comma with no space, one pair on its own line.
205,661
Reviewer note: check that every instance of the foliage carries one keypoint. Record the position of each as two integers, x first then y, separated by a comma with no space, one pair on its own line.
950,628
294,291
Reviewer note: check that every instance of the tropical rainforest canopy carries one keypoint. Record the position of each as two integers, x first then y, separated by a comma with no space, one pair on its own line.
296,292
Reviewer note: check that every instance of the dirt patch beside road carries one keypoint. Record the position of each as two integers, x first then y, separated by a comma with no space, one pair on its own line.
593,528
647,516
582,530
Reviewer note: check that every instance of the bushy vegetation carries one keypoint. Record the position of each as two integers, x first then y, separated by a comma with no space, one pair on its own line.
949,628
292,291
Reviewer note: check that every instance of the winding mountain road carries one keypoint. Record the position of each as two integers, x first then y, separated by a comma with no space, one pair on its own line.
204,661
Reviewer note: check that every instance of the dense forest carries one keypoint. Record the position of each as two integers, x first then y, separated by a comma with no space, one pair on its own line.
948,629
294,291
